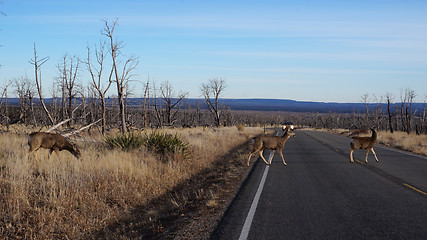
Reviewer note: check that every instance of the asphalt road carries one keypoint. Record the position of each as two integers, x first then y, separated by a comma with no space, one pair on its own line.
321,195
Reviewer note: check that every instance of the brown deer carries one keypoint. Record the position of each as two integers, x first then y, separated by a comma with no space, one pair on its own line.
271,142
52,141
364,143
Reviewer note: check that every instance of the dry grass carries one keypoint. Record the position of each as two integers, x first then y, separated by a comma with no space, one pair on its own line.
409,142
66,198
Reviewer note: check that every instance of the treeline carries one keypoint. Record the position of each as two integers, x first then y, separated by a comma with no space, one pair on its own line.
155,114
109,69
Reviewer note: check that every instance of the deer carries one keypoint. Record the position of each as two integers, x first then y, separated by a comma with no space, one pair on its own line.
271,142
364,143
52,141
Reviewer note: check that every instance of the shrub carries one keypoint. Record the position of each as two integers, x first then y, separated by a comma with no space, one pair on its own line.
125,141
240,127
164,143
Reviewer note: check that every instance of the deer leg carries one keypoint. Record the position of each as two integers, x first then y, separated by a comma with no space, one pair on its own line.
50,153
283,159
27,155
375,155
260,154
57,152
351,155
271,157
250,155
367,152
31,150
35,154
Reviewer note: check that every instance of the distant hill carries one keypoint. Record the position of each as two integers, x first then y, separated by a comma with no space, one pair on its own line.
266,105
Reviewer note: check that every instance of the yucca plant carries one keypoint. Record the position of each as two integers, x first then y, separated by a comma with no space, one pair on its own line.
125,141
240,127
164,143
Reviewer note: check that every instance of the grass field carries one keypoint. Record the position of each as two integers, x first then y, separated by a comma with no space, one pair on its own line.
69,199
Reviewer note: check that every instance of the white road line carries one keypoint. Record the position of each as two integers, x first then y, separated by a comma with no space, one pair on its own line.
249,218
248,222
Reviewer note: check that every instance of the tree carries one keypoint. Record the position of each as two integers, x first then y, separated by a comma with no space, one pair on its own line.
409,109
211,91
68,70
24,89
37,64
171,103
365,101
389,99
407,97
146,102
123,77
96,70
3,98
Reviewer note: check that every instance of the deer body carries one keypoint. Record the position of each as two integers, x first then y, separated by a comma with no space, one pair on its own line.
52,141
364,143
270,142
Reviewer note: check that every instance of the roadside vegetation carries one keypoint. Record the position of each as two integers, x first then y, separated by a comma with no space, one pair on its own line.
70,199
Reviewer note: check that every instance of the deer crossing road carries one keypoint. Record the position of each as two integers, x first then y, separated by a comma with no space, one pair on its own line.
321,195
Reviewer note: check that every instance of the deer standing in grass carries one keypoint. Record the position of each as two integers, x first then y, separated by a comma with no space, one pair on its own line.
52,141
364,143
271,142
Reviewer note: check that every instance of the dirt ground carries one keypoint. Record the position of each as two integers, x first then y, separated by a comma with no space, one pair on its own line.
191,210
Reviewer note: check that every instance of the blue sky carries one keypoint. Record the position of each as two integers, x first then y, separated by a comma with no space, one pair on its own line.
332,51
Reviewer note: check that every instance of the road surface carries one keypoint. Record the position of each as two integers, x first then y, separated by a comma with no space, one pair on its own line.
321,195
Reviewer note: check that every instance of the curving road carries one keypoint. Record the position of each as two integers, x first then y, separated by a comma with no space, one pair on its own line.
321,195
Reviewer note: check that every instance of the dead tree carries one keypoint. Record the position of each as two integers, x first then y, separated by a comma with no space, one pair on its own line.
122,77
96,73
365,101
68,74
211,91
146,103
389,99
37,64
409,109
4,99
24,90
407,97
171,103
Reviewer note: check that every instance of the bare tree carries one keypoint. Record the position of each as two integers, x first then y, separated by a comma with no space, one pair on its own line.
24,89
146,102
211,91
4,99
409,108
68,70
365,101
37,72
407,97
123,77
171,103
96,70
157,107
389,99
